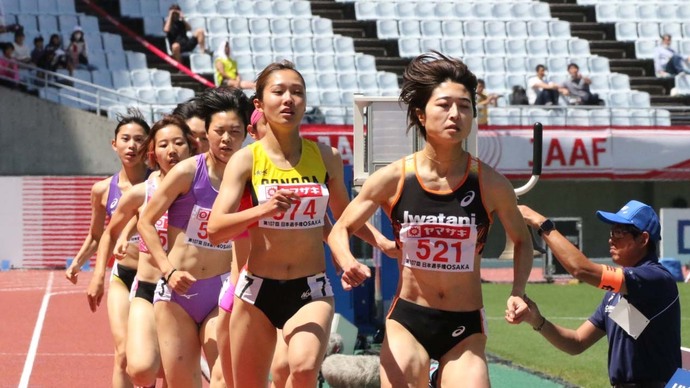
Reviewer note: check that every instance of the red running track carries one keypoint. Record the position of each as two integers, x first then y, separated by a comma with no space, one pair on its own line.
48,335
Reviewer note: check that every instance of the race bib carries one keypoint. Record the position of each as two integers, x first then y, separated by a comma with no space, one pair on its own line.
197,230
162,229
307,213
439,247
248,287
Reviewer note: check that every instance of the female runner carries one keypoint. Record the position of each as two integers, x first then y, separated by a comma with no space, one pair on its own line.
186,298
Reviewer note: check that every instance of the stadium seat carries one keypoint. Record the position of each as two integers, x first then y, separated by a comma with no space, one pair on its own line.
409,29
301,9
559,29
264,9
141,78
473,47
387,29
30,23
648,30
618,99
644,49
102,77
366,10
557,65
301,27
452,47
68,22
627,12
662,117
112,42
166,96
639,99
366,63
578,47
431,29
121,79
452,29
406,10
578,117
619,81
558,48
153,26
462,11
641,117
239,46
367,84
540,11
30,6
494,47
516,47
201,63
408,47
473,29
261,61
599,117
387,80
503,116
322,26
226,9
47,24
516,29
261,45
330,97
282,45
537,48
475,64
516,65
280,27
671,28
626,31
136,60
259,27
538,29
323,45
607,12
343,44
346,64
444,11
116,61
428,44
302,46
238,27
482,11
501,11
324,63
495,29
217,25
599,65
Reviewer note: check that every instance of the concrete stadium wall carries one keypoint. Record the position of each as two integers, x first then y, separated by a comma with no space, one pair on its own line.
39,137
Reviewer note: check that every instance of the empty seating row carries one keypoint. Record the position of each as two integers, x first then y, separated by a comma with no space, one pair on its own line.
632,31
643,12
392,29
286,46
249,65
42,7
580,117
248,9
409,47
462,10
54,23
239,26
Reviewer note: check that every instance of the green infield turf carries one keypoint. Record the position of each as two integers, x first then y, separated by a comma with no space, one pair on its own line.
567,305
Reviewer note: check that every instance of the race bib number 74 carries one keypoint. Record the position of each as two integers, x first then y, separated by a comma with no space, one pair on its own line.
439,247
307,213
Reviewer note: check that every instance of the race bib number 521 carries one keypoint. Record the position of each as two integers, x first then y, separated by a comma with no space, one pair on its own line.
439,247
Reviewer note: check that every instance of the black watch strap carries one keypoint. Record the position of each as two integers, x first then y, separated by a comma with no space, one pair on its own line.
546,226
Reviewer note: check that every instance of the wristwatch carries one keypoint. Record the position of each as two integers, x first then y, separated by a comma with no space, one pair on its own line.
546,226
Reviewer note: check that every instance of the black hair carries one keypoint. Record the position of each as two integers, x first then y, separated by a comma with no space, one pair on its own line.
225,99
188,109
539,66
133,115
424,74
573,64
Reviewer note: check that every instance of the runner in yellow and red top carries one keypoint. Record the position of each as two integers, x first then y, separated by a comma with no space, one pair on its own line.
441,201
285,286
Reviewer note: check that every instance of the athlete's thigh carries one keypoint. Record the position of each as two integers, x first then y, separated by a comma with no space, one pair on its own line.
307,332
280,368
118,312
178,338
404,362
207,337
223,341
465,365
252,341
142,340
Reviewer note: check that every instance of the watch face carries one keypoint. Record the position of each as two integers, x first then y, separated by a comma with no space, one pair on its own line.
547,226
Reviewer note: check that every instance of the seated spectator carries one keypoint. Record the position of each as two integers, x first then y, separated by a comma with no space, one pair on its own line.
176,28
55,56
667,63
576,88
14,27
38,50
540,91
22,53
76,50
226,69
9,71
483,102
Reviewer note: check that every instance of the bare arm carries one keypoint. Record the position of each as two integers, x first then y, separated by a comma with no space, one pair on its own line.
168,22
568,340
177,182
377,190
504,203
339,200
572,259
126,210
98,192
226,222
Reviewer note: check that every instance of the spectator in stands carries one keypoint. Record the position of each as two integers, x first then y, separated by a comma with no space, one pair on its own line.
38,51
540,91
640,312
483,102
576,88
76,51
9,71
22,53
226,69
55,56
176,28
667,62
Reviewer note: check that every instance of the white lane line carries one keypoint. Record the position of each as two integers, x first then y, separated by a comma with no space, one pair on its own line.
31,355
4,354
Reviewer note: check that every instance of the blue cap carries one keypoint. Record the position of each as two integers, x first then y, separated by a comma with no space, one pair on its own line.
635,213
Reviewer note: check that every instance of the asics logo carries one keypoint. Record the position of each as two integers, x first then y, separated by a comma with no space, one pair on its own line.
113,204
458,332
469,197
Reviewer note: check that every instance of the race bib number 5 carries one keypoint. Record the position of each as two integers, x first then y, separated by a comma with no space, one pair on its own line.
307,213
197,230
439,247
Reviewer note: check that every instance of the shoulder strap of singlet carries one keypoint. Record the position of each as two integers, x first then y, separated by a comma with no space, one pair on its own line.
406,164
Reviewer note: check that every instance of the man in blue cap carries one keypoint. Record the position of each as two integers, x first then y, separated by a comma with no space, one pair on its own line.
640,312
